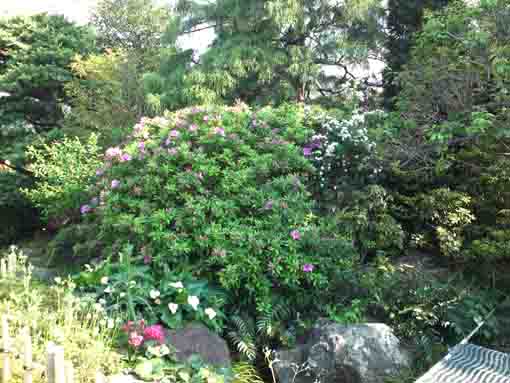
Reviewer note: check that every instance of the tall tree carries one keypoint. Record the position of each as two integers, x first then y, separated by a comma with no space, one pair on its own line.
277,50
35,57
405,18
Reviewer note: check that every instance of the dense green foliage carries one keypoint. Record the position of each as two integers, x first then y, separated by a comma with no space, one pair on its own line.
259,189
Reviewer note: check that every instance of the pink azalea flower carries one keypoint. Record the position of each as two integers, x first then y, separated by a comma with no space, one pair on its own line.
113,152
125,157
219,131
85,209
295,235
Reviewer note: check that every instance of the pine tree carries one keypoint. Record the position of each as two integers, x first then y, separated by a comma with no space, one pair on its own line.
273,51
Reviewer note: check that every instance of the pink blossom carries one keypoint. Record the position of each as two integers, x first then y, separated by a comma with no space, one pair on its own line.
206,118
135,340
174,133
308,267
172,151
154,332
219,131
125,157
147,259
193,128
295,235
99,172
115,184
113,152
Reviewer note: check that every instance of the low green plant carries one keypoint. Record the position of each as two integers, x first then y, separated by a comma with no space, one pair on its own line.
55,314
133,288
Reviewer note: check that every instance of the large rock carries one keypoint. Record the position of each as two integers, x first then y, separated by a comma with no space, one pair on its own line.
335,353
198,339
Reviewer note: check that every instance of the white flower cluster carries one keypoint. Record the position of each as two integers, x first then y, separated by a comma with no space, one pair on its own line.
342,147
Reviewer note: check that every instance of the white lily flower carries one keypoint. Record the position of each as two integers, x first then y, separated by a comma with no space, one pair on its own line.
177,285
154,294
173,307
193,301
210,313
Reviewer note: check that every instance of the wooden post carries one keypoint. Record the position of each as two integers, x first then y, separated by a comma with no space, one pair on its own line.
56,368
69,372
27,356
3,268
6,345
100,378
11,263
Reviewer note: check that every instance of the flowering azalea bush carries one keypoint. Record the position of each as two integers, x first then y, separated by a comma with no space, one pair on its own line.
223,191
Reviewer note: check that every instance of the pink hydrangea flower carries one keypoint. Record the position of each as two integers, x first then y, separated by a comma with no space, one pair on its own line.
155,332
295,235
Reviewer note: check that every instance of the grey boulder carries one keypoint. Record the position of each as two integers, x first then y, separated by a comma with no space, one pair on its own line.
336,353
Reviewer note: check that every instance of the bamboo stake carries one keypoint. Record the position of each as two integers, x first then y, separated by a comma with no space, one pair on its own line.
6,344
56,368
27,356
69,372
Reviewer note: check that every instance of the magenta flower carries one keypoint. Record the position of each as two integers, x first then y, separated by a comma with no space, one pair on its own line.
141,146
307,151
154,332
85,209
135,340
219,131
115,184
206,118
147,259
99,172
193,128
308,267
125,157
295,235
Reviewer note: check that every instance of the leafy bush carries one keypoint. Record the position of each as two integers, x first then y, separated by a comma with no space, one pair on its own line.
221,190
63,171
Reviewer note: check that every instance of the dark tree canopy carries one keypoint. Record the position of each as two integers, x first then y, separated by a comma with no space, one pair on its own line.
35,57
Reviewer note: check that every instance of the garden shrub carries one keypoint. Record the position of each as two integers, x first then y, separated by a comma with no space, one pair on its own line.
63,171
221,190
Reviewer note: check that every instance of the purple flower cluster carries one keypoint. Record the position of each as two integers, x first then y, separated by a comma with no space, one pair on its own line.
310,147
